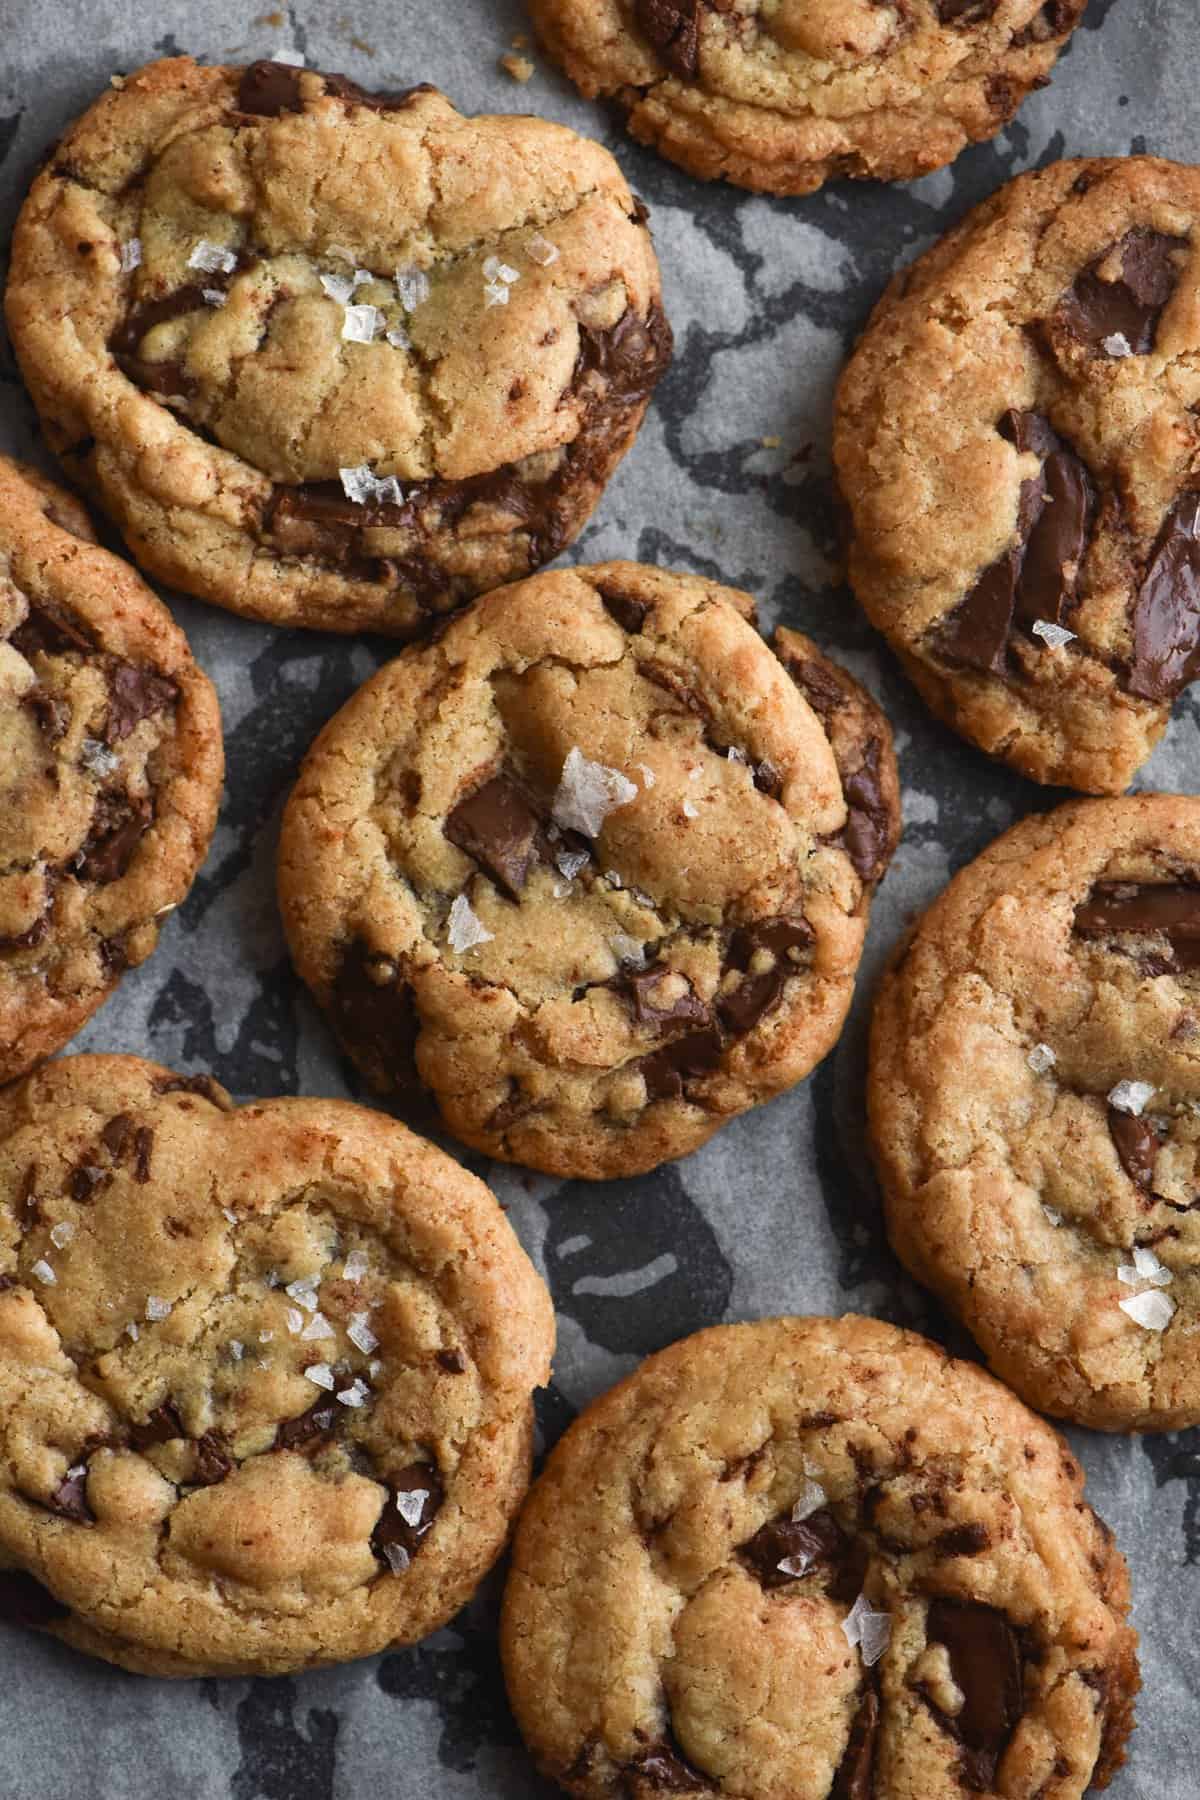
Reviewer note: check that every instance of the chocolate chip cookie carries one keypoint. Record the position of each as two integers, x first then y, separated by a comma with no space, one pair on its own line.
333,358
1035,1108
817,1558
110,768
782,95
591,869
294,1425
1017,441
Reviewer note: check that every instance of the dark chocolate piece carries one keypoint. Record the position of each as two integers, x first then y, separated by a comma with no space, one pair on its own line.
965,12
143,1144
119,822
344,89
963,1540
985,1662
163,1425
629,613
1094,310
116,1133
651,1006
1136,1142
453,1361
204,1085
673,27
268,89
869,818
135,693
497,827
84,1180
662,1768
308,1428
855,1779
50,630
212,1459
69,1499
1166,612
802,1544
392,1528
665,1071
24,1601
52,715
1171,909
755,994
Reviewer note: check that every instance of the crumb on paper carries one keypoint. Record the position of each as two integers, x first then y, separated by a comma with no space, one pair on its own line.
519,67
772,442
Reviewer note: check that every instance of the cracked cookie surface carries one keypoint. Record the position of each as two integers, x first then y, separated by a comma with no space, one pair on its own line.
1016,439
816,1558
332,358
110,768
265,1373
783,95
590,868
1035,1108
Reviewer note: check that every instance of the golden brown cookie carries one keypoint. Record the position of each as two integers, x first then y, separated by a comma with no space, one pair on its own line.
327,357
265,1373
590,868
1016,439
1035,1108
782,95
817,1558
110,768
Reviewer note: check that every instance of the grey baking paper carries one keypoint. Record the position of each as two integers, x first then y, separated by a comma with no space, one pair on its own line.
778,1213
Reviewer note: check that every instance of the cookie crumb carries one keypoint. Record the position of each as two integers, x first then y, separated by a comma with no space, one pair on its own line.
772,442
519,67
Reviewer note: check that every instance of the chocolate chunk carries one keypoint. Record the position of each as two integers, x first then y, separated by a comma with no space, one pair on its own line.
211,1459
135,693
344,89
116,1134
268,89
631,355
308,1428
163,1424
393,1529
69,1499
52,715
378,1017
767,779
1036,577
119,822
143,1144
1137,1142
965,12
1094,310
854,1779
204,1085
34,934
497,827
985,1662
1167,908
755,994
662,1768
801,1544
159,377
24,1601
51,631
673,27
869,818
84,1180
453,1361
1166,612
819,685
652,1005
665,1071
962,1540
629,613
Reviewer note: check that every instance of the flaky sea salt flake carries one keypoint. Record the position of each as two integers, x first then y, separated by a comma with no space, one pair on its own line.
1151,1310
362,324
811,1499
398,338
647,774
570,862
495,293
690,810
293,58
1041,1058
1144,1267
870,1630
62,1233
212,259
157,1308
1131,1096
411,1506
236,1349
96,757
338,288
321,1375
355,1266
303,1292
1117,344
264,1337
540,250
1052,1213
295,1320
467,930
412,287
1054,636
41,1271
133,1331
355,1394
398,1558
588,792
318,1327
131,255
360,1333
